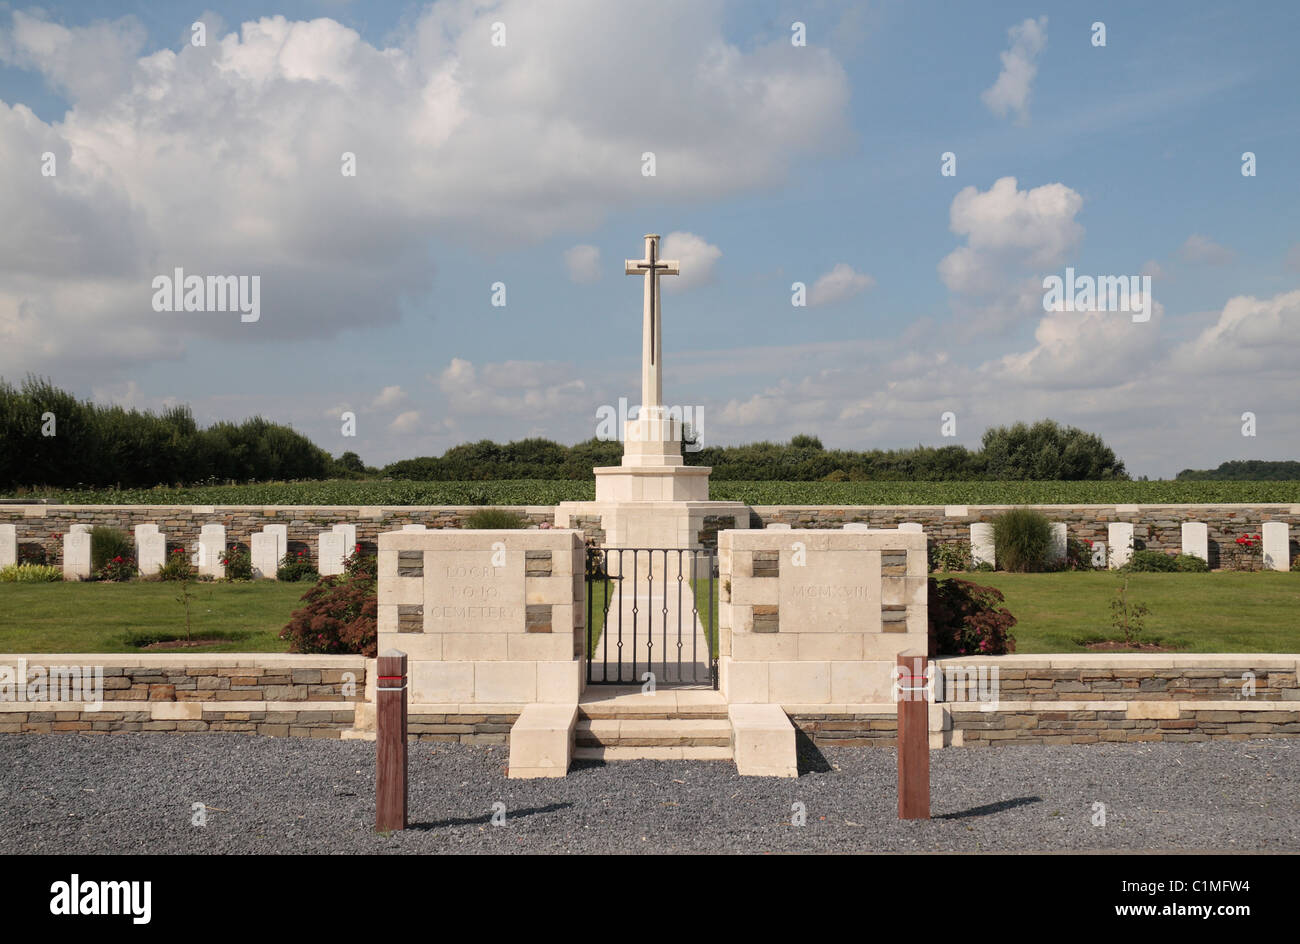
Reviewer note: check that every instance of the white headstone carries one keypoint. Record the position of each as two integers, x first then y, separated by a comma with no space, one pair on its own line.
349,532
80,529
265,551
912,527
413,527
1119,534
150,550
1277,545
8,545
212,548
981,544
330,559
852,526
149,528
1099,554
778,527
1058,547
76,555
1196,539
281,534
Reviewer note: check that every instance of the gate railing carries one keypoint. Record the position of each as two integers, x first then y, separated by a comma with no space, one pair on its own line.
652,610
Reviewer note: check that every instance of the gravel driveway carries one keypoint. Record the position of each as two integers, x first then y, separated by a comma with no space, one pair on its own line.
68,793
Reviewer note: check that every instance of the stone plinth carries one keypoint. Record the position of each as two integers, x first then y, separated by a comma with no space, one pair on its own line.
813,617
485,616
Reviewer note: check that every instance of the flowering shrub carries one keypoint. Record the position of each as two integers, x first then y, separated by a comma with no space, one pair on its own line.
297,567
177,566
340,614
1078,554
1248,551
238,563
967,619
117,569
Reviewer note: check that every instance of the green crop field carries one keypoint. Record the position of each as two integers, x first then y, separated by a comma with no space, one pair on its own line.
553,491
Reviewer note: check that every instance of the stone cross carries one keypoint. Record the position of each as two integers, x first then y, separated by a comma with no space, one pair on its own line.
651,334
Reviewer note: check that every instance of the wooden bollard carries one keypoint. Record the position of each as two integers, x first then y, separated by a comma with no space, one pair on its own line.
913,738
390,741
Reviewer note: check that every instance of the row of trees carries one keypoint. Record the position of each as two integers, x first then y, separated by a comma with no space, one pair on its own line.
1246,470
1045,450
51,438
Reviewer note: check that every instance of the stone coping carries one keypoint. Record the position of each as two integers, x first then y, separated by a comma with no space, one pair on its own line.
189,660
171,708
1289,507
1131,660
1186,704
1284,507
262,509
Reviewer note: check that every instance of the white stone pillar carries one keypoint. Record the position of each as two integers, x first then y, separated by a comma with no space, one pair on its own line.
1058,548
329,560
981,544
265,549
1196,539
212,548
76,555
1119,534
1277,545
8,545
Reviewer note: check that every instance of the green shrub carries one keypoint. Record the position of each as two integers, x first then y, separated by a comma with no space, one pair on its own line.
947,557
295,568
967,619
106,544
1150,562
1190,563
176,567
1078,555
489,518
238,563
31,573
1022,539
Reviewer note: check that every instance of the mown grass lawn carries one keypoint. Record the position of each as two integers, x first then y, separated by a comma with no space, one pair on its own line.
103,617
1228,611
1216,612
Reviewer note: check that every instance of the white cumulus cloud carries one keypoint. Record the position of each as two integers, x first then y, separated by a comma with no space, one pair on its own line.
839,284
1010,93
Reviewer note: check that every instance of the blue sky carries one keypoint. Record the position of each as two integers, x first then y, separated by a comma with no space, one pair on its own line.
775,164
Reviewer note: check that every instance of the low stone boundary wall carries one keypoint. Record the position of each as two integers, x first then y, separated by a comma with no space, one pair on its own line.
1136,677
269,694
1158,527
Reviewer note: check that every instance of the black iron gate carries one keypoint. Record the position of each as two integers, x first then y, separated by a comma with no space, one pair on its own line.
652,610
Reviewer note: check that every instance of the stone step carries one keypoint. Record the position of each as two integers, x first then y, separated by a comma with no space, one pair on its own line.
651,752
654,732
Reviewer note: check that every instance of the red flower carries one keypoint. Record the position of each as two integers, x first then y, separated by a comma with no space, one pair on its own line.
117,560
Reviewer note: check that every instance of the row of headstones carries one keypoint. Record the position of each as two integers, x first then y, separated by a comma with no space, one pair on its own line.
268,548
1119,538
1196,540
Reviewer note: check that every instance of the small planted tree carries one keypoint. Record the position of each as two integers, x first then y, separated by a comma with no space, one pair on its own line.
1127,617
